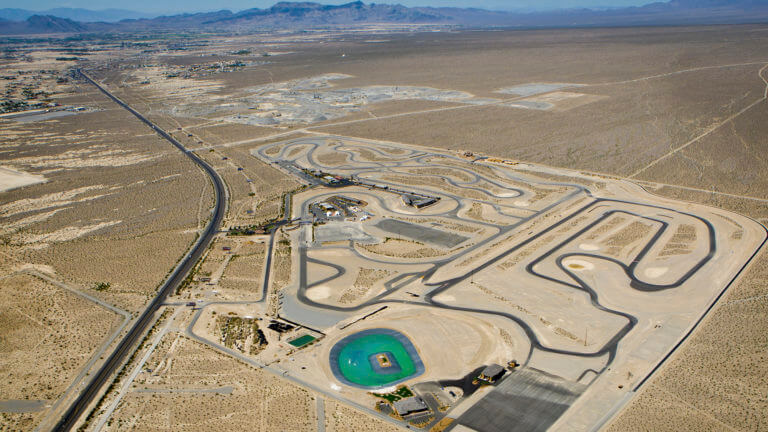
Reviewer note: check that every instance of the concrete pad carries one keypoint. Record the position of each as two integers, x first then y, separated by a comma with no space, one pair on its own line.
528,400
535,88
342,231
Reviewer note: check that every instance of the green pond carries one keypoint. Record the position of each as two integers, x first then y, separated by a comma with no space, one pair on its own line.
375,358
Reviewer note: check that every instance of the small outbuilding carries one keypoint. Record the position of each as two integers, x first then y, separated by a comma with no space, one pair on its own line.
417,201
491,373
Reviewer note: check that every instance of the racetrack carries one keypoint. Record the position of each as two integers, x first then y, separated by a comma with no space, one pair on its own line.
554,219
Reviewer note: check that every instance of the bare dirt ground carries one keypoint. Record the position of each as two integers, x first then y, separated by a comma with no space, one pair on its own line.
649,117
47,334
257,399
98,209
255,189
717,381
340,418
118,208
678,110
717,162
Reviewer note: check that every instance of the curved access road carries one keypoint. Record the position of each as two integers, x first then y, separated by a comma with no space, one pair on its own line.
125,347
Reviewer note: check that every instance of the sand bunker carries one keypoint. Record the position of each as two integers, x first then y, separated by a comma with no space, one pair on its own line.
655,272
321,292
12,179
578,265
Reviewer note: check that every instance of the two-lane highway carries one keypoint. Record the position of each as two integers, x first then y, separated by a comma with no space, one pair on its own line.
126,346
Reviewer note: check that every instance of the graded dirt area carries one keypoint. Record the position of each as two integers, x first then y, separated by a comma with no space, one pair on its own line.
12,179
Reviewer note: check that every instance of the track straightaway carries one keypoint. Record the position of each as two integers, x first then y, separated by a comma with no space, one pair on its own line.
113,362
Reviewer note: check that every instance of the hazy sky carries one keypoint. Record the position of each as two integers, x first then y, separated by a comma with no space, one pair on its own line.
235,5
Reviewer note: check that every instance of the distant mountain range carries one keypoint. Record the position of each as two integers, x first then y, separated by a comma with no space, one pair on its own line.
75,14
290,15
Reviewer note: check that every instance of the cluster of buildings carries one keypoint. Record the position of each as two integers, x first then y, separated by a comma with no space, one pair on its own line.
339,208
415,408
409,198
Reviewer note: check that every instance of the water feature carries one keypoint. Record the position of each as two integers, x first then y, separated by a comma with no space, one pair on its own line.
375,358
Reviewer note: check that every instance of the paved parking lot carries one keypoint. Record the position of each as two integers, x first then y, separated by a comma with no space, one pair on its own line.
421,233
528,400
